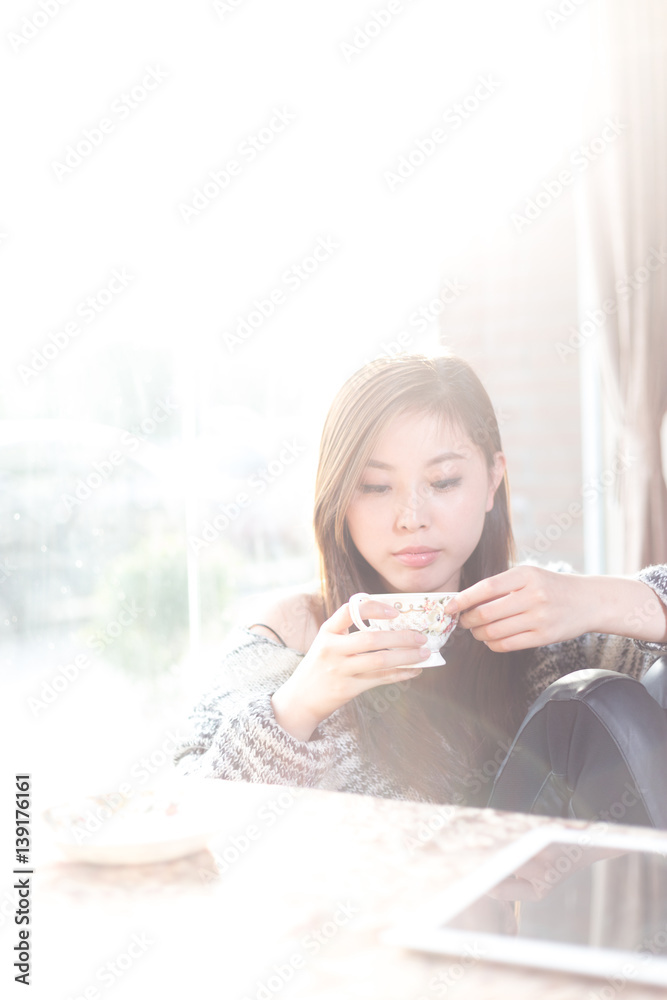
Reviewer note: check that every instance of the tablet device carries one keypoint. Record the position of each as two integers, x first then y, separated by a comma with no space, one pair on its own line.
591,901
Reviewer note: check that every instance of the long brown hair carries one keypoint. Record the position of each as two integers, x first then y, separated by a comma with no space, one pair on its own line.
475,704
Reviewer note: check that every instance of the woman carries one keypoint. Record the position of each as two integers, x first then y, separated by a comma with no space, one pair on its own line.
412,496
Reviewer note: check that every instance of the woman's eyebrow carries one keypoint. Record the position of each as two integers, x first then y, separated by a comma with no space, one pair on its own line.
446,456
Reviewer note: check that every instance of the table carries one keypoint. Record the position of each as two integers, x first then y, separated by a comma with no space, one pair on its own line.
290,905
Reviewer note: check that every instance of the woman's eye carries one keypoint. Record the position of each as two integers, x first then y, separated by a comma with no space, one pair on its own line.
370,488
441,486
446,484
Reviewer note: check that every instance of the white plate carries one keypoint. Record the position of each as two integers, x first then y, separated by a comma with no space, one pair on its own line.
149,825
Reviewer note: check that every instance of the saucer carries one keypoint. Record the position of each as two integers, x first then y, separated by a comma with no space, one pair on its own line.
144,827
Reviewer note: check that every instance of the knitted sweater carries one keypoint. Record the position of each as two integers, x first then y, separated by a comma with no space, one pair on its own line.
233,733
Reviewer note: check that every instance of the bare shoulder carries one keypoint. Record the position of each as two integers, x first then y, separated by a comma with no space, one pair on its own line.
296,618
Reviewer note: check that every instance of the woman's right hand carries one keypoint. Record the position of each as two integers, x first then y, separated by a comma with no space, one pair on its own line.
340,665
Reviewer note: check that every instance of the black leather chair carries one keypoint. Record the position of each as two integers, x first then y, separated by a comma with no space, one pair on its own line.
655,681
593,746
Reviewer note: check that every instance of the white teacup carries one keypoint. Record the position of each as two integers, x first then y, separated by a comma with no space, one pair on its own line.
422,612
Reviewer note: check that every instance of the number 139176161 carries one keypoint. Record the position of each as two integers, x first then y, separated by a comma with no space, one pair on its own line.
22,818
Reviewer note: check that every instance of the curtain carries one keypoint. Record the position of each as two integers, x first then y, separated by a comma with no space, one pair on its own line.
624,200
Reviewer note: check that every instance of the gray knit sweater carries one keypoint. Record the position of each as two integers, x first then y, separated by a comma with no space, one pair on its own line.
233,734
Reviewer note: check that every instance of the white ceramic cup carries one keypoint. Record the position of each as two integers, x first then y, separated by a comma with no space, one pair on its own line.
422,612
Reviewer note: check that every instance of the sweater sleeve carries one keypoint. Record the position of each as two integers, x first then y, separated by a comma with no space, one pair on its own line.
232,732
597,650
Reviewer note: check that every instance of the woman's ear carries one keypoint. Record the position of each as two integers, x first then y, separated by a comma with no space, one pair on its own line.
496,473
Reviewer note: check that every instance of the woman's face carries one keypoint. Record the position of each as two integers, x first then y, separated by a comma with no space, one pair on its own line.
418,512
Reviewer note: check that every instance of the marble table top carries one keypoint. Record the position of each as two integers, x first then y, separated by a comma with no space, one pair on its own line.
289,901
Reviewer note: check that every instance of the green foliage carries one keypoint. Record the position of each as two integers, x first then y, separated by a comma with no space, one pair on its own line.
141,621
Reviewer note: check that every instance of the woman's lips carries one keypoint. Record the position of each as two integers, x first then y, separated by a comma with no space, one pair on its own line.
417,557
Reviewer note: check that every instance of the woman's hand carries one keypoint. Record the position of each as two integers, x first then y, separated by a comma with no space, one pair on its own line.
340,665
525,607
528,606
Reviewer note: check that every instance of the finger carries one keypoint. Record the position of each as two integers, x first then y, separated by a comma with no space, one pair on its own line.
367,608
360,652
486,590
511,644
383,660
512,604
341,619
366,642
504,628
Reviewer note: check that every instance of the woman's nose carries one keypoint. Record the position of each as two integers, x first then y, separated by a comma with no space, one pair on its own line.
412,512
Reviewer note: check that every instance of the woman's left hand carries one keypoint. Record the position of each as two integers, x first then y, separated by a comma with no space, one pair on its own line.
525,607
